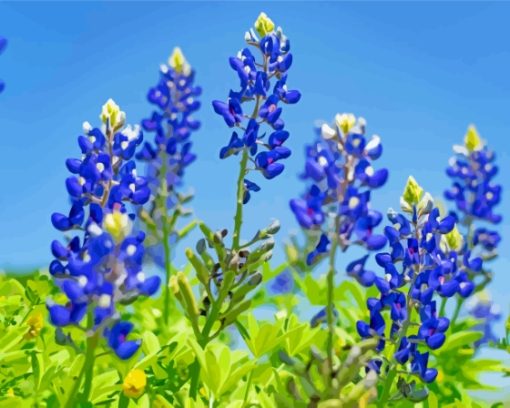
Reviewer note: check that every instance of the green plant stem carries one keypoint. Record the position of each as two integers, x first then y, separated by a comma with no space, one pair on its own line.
247,392
87,370
442,309
238,218
330,306
163,202
387,388
456,312
89,365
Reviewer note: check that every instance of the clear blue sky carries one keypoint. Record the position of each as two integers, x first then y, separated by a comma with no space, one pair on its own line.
419,74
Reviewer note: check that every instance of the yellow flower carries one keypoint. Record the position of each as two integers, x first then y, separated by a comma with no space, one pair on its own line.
117,224
112,114
264,25
412,192
345,122
134,383
472,140
35,324
178,62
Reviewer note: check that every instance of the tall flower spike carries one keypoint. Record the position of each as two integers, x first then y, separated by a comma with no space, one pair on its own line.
336,206
3,44
427,261
100,265
475,195
258,103
340,174
168,156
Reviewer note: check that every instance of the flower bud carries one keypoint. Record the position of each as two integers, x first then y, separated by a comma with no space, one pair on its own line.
178,62
472,140
412,192
264,25
345,122
112,115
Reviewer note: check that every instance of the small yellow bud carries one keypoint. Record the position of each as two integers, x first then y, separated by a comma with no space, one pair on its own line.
35,324
117,224
10,393
472,140
174,284
112,115
412,192
345,122
454,239
178,62
134,383
264,25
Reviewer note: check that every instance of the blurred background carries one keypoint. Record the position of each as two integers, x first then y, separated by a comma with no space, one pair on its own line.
419,73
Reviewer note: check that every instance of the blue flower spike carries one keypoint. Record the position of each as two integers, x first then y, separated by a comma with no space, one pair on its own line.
254,110
166,158
476,195
427,261
99,267
340,178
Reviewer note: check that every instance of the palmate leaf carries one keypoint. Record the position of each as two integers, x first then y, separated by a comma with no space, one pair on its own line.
221,369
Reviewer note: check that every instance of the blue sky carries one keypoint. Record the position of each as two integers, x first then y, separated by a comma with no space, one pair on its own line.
419,73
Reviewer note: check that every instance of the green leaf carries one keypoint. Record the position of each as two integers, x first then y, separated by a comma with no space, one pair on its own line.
150,343
460,339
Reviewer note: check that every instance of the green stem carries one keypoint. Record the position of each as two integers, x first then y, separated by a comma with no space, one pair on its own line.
247,392
330,306
89,365
163,198
456,312
87,369
238,218
442,309
387,388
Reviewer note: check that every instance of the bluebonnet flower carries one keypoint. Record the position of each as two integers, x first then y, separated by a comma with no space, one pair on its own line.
256,108
476,195
472,170
3,44
340,174
175,98
282,283
487,312
427,260
101,265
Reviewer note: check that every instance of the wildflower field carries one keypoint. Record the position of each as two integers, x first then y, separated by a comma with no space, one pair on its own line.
146,303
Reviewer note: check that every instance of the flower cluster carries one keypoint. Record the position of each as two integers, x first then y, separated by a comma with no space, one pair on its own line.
427,259
339,167
103,267
3,44
472,170
175,99
474,193
263,90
